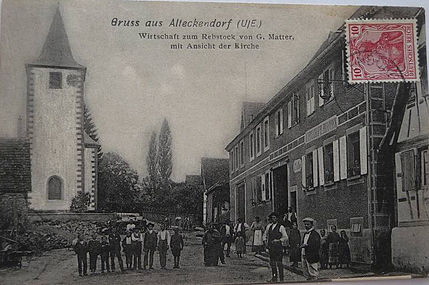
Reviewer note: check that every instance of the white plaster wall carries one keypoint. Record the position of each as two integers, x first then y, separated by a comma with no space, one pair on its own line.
410,248
54,140
89,167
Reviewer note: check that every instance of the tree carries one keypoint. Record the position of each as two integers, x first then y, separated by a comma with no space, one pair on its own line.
118,184
91,129
80,202
152,164
165,164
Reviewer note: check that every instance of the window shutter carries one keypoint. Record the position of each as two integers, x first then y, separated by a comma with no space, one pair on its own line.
308,102
289,114
332,78
343,157
398,165
336,160
263,187
363,151
281,121
303,181
315,171
320,87
312,99
321,166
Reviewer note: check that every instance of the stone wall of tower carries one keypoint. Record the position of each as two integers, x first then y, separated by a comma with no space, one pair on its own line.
55,130
90,175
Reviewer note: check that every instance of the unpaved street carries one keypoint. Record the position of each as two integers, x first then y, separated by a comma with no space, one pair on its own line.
59,267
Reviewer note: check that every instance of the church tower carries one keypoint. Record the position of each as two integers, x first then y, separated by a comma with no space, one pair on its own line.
55,102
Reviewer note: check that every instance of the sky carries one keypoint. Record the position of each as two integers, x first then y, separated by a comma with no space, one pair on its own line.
133,84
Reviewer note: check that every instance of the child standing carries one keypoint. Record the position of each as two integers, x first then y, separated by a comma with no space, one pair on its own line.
105,249
94,249
163,245
149,246
177,245
128,249
239,246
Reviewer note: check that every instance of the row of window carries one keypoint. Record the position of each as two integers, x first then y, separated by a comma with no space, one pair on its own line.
259,138
337,159
262,187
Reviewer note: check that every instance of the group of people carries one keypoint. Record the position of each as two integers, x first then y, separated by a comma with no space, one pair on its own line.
280,236
110,245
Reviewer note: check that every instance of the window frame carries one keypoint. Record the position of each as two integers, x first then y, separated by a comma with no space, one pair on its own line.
352,170
251,146
310,100
279,122
266,133
55,83
61,194
258,140
242,153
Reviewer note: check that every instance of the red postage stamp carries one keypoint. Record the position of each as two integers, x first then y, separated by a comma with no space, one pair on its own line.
382,50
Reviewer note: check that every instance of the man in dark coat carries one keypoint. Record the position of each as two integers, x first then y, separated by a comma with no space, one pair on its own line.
276,237
149,246
211,241
94,247
227,234
81,248
105,250
310,250
115,249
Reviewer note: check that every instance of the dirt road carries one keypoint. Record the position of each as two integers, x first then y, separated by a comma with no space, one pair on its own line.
59,267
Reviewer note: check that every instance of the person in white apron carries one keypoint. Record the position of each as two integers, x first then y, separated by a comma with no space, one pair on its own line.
257,229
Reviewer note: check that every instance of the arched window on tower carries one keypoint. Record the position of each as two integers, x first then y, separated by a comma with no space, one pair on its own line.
55,186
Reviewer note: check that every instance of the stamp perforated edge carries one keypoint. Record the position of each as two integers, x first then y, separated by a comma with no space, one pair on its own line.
384,21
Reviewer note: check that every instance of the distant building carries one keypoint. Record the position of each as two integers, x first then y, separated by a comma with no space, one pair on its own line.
63,157
215,177
314,147
193,180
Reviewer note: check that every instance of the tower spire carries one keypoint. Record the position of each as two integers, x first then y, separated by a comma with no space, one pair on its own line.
56,50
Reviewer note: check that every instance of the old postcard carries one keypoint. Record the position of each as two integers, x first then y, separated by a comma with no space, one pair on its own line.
212,143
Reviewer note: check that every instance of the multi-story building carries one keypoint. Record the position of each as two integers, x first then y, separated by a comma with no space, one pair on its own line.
410,249
314,147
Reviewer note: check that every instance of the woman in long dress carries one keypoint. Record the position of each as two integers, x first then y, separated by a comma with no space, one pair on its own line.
257,229
344,250
323,249
294,242
333,240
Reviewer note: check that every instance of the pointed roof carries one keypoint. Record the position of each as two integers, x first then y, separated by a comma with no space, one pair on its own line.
56,50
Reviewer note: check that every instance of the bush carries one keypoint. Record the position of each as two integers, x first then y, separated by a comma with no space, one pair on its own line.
80,203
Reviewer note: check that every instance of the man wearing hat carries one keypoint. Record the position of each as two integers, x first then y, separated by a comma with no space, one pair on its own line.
276,237
310,250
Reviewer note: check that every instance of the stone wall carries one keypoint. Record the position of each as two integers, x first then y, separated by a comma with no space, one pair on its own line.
46,216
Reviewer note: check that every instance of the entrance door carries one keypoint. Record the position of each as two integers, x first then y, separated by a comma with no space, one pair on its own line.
293,201
241,201
280,190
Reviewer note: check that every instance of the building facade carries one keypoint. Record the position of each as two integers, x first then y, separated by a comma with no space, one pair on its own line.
63,156
314,147
215,178
412,176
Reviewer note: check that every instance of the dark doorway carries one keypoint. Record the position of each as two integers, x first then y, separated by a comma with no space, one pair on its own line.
241,201
280,190
293,201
